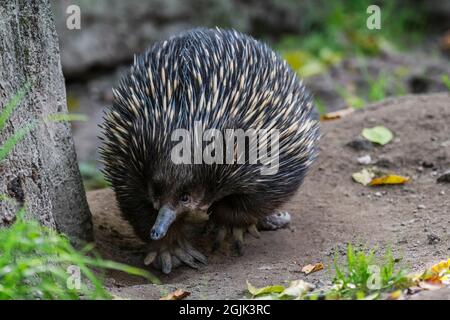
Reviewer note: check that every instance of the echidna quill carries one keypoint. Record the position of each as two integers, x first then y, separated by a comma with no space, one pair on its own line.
206,79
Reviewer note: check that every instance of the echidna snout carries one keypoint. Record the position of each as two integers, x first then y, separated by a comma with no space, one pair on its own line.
172,197
166,216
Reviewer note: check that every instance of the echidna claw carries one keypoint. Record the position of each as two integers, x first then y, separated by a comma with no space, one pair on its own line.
150,257
220,238
238,237
166,262
185,258
254,231
197,255
170,257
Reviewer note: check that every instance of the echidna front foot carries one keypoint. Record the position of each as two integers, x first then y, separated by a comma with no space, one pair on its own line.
168,255
275,221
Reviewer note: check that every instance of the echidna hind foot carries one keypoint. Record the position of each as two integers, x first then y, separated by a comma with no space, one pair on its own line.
275,221
172,252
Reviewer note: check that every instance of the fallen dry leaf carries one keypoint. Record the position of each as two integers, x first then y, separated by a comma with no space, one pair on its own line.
364,176
389,179
396,295
264,290
310,268
378,134
437,274
445,41
443,266
297,288
375,177
176,295
427,285
435,277
336,114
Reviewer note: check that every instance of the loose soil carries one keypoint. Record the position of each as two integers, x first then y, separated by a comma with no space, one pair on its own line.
329,211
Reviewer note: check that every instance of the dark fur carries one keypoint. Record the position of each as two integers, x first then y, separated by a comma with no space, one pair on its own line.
137,159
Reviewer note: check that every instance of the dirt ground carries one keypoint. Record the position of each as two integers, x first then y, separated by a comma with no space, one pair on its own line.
329,211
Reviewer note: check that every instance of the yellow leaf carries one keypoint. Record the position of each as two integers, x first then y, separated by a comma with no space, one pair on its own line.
296,58
441,266
310,268
389,179
336,114
395,295
176,295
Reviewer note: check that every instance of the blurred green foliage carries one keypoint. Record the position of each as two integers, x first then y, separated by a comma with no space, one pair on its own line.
35,262
34,259
446,81
339,29
92,178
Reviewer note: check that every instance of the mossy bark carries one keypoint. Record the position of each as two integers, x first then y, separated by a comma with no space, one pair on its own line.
41,172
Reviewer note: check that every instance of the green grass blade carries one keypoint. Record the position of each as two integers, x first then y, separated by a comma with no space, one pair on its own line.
14,139
63,117
446,81
112,265
12,104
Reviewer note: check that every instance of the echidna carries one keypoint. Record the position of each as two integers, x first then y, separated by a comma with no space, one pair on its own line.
212,79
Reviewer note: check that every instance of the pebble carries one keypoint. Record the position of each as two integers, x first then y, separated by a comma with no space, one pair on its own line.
433,238
378,194
427,164
360,144
421,206
366,159
445,144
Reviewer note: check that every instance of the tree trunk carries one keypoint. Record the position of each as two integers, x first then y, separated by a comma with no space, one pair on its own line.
41,172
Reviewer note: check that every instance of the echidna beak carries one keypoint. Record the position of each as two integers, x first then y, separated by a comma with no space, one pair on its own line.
166,216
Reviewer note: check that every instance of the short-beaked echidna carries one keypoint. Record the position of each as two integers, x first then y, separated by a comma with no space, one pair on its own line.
215,79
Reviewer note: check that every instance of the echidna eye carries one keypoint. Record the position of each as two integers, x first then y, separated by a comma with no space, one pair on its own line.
184,198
